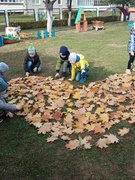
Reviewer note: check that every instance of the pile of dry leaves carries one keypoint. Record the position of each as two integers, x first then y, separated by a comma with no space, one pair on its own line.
76,114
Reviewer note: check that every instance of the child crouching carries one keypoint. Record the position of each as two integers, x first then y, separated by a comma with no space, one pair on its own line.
6,108
32,61
80,67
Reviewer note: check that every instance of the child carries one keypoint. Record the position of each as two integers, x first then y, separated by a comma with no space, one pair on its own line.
3,69
63,61
32,61
6,108
131,49
80,67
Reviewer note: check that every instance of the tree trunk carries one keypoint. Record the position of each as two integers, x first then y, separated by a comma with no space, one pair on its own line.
49,9
49,21
69,18
69,4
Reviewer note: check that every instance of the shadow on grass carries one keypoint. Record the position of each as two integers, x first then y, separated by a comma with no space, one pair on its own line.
95,74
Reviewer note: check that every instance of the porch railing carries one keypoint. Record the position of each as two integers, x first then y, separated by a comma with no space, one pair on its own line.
91,2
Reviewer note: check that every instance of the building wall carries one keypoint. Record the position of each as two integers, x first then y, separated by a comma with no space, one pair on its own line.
38,4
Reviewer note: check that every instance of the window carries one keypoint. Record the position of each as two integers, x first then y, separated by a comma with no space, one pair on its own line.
11,1
59,2
35,2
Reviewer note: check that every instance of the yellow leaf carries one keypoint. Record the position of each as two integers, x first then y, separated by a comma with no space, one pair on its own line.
99,111
104,117
76,95
123,131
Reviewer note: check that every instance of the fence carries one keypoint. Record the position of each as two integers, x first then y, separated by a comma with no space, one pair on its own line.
30,14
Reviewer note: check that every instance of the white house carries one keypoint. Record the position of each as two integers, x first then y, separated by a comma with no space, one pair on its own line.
38,4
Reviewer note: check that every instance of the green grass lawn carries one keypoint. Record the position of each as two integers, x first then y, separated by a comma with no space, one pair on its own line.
24,154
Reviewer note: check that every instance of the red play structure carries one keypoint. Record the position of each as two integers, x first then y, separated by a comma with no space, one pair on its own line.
111,8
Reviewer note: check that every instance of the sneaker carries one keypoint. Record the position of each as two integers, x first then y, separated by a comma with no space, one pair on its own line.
82,80
133,69
128,71
1,120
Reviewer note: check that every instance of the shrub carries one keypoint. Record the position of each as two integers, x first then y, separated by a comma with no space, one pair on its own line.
61,22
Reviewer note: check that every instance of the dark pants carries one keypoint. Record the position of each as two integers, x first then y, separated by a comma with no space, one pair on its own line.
131,60
31,67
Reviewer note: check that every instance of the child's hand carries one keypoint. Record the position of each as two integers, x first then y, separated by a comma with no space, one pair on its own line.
9,114
27,74
83,71
35,69
57,75
18,107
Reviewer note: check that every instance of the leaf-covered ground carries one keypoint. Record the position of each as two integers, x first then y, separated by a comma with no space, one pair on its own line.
80,116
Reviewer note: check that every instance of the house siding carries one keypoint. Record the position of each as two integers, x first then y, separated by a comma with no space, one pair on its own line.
27,4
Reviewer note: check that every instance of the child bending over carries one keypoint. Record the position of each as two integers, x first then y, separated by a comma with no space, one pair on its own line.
6,108
80,67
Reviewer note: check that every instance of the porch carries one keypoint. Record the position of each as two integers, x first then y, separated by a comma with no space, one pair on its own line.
90,3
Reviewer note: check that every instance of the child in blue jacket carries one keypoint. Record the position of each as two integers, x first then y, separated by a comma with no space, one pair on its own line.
3,69
6,108
131,50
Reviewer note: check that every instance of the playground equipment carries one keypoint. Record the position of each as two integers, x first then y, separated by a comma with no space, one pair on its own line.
114,8
23,35
7,39
80,21
131,18
97,25
13,31
45,34
1,41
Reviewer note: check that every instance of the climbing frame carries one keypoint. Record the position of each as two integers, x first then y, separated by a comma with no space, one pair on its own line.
80,21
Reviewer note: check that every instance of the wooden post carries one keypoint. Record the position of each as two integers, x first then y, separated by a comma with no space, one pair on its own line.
50,33
42,33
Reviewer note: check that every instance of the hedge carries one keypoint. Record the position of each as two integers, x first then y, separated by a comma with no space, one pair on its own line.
61,22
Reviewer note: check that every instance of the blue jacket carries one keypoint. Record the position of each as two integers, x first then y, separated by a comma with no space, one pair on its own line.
131,41
3,77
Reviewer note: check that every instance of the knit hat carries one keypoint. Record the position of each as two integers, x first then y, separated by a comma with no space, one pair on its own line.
31,50
72,57
64,51
3,67
3,85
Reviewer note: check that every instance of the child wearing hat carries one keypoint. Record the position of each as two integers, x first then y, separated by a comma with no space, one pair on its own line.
3,69
131,50
32,61
6,108
80,67
63,62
